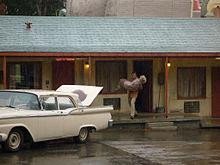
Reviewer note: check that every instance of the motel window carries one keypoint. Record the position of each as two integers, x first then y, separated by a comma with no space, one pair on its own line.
24,75
108,74
191,83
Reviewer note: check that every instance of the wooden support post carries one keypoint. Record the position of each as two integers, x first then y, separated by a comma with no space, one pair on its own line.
90,70
166,68
4,72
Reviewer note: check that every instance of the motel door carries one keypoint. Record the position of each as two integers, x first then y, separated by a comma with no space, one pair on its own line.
63,73
216,92
144,102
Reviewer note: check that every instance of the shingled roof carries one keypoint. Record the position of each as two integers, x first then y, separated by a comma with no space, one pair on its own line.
106,34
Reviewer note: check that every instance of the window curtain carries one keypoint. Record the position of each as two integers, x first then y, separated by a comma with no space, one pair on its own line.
191,82
24,75
108,74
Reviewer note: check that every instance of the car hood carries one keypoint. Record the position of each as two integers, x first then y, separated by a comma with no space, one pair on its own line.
87,94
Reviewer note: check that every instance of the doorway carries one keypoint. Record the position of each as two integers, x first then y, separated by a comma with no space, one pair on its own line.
63,73
215,92
144,102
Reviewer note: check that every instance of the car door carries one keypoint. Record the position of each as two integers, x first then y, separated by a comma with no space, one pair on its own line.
70,122
50,119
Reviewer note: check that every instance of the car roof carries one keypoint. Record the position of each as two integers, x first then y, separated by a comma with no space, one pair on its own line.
40,92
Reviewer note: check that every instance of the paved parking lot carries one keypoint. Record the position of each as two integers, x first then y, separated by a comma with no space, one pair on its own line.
126,146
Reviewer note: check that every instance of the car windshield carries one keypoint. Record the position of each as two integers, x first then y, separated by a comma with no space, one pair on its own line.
19,100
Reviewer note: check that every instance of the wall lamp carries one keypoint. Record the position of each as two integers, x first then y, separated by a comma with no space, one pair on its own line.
169,64
87,65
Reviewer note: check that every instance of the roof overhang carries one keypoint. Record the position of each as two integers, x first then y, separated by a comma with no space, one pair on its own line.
81,55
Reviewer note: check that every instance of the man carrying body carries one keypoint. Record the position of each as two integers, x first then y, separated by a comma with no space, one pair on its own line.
132,96
132,87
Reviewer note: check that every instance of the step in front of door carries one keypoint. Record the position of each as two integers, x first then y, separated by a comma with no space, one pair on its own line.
166,128
160,124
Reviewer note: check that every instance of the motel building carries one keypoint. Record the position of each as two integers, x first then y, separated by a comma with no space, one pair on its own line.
179,56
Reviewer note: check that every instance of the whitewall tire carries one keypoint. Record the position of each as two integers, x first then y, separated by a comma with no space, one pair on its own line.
83,135
14,142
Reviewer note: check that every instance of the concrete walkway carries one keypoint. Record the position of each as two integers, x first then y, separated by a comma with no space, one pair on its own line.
153,117
180,120
209,122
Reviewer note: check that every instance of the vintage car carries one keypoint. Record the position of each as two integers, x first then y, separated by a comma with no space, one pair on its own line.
41,115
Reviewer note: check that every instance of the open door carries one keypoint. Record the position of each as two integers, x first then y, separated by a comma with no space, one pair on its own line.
63,73
216,92
144,102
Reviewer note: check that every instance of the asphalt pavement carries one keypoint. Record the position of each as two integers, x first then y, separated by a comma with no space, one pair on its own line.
125,146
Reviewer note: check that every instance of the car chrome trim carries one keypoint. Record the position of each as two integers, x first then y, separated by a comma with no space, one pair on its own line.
14,117
80,111
3,137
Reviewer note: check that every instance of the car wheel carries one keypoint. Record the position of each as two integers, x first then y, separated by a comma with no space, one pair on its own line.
83,136
14,141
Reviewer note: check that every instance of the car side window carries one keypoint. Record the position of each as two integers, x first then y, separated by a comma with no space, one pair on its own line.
49,103
65,103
